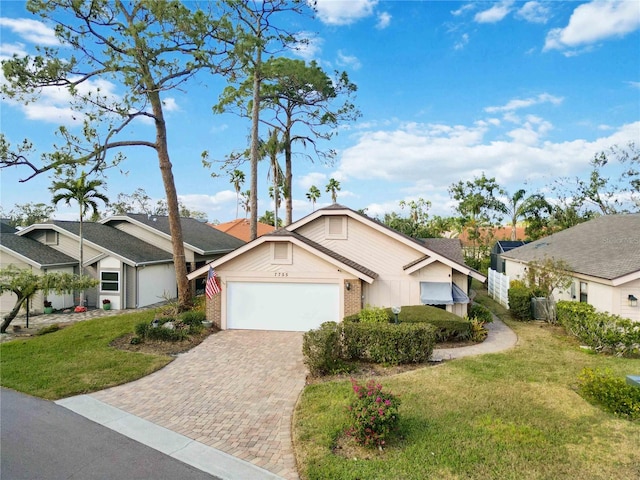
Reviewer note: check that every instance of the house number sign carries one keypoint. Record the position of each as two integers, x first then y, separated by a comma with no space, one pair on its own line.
281,274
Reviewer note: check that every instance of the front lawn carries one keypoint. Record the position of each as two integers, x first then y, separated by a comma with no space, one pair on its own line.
514,414
76,359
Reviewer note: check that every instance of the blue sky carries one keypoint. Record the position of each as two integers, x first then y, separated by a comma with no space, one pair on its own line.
524,91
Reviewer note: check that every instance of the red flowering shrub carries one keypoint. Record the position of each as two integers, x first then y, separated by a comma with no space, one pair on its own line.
373,414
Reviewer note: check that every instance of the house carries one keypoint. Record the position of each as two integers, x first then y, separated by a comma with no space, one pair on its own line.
490,235
241,228
26,253
132,273
604,258
500,247
330,264
201,243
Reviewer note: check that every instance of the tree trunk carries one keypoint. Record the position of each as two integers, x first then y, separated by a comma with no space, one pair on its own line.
81,269
288,174
175,226
255,132
8,318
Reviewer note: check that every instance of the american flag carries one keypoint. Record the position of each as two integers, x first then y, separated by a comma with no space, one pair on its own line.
212,288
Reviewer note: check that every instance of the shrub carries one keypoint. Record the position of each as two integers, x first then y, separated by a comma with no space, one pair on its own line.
135,340
480,313
602,331
147,331
371,314
448,326
373,414
48,329
193,317
478,332
520,302
321,349
613,394
388,343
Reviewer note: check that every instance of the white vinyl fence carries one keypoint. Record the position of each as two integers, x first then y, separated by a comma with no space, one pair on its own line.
499,287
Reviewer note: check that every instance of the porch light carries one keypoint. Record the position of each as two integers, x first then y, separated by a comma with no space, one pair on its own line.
633,301
347,285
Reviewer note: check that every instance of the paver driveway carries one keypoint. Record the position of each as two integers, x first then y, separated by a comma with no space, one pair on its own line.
235,392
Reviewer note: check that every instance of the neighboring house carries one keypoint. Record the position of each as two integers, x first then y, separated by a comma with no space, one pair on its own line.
241,228
490,235
604,257
330,264
27,253
201,243
500,247
132,273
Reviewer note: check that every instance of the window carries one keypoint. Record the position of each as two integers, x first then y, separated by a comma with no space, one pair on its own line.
336,228
50,237
583,292
109,281
281,252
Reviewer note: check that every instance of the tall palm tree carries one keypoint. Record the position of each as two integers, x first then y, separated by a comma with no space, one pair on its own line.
245,200
519,206
272,148
333,186
85,193
313,195
237,179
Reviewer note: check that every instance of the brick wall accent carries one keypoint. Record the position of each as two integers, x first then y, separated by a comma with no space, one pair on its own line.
213,309
352,297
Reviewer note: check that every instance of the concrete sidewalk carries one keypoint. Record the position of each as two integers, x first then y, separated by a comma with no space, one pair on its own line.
191,452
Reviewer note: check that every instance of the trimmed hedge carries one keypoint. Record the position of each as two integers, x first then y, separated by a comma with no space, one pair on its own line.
613,394
449,327
388,343
520,302
322,349
480,313
601,331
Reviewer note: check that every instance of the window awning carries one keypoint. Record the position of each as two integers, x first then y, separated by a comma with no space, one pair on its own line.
458,295
441,293
436,293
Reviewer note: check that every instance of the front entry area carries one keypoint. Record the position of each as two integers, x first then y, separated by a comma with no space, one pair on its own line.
281,305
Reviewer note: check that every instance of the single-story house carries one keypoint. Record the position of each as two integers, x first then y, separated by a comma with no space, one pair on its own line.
201,242
26,253
604,258
330,264
241,228
132,273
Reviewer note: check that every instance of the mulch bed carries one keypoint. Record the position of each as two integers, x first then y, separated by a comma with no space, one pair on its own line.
158,347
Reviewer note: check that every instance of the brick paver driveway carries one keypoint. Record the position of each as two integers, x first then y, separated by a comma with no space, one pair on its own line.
235,392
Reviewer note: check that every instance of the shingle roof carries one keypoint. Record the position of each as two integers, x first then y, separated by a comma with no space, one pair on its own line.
37,252
6,228
607,247
356,266
195,233
117,241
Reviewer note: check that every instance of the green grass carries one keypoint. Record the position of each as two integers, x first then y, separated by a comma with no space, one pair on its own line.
510,415
76,359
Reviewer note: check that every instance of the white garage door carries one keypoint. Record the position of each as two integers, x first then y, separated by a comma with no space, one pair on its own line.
281,306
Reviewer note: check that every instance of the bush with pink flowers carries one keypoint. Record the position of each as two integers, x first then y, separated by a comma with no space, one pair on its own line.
373,414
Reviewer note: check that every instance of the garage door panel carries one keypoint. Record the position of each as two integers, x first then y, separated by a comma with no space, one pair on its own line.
281,306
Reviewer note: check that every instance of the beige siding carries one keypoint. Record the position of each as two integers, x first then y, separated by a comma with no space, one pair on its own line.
366,246
67,245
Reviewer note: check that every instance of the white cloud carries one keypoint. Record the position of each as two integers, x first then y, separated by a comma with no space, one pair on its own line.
595,21
634,84
534,12
344,12
418,154
462,9
310,46
494,14
170,104
31,30
213,205
460,44
384,19
313,178
517,104
350,61
8,50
